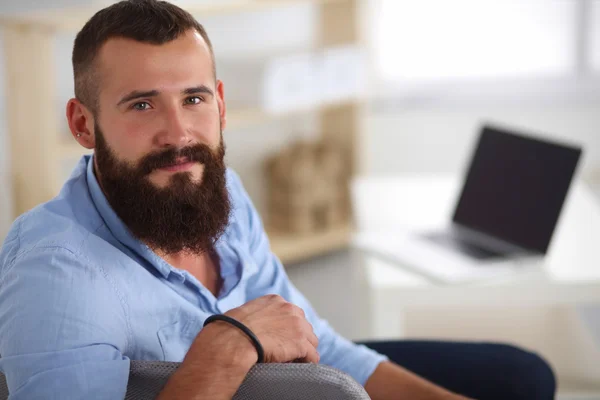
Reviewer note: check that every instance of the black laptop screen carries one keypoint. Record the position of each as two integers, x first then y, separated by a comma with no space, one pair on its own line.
515,188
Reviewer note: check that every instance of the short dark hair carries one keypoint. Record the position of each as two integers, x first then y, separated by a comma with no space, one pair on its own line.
149,21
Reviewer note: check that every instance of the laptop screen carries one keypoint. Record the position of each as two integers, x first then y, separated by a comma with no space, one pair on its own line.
515,188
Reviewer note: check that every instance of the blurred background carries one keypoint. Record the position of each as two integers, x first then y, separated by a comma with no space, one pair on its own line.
326,98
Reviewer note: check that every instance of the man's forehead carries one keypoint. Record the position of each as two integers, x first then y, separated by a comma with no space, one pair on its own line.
124,61
121,49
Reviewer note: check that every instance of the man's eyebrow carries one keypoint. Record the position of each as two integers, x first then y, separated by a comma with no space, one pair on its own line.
198,89
136,94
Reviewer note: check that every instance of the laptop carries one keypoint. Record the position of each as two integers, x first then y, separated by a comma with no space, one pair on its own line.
512,196
509,205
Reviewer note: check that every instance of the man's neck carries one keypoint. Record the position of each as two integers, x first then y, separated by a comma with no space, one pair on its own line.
204,267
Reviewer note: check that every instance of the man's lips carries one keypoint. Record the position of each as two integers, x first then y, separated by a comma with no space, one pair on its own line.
181,164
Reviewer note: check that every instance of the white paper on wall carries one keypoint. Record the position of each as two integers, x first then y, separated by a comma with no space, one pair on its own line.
290,83
343,74
310,80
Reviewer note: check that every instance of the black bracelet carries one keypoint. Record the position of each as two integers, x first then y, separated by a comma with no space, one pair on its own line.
243,328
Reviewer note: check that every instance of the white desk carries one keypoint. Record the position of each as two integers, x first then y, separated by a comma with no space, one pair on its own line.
389,205
540,310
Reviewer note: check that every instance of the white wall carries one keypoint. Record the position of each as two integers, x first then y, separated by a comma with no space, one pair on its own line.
441,138
13,7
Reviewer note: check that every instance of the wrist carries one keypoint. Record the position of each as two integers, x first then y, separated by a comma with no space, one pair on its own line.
225,345
219,357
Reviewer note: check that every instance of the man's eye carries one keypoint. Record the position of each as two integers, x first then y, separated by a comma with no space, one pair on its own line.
193,100
141,106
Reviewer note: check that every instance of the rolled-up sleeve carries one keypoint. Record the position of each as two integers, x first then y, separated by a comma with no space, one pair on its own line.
63,329
356,360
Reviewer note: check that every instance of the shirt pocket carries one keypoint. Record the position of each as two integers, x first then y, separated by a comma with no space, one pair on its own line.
176,338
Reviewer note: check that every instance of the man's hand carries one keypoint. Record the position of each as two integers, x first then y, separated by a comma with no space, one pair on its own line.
281,328
221,355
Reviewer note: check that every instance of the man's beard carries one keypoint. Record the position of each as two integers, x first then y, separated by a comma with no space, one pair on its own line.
182,216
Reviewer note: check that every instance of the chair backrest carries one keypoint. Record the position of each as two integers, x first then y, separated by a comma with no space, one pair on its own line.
3,387
263,382
299,381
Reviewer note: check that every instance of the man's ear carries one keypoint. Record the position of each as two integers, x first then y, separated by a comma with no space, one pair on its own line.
81,123
221,103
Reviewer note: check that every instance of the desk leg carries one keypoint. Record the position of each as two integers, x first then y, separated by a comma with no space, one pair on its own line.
590,315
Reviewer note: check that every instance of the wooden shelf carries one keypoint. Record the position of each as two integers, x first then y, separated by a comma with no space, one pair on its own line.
294,248
73,19
235,119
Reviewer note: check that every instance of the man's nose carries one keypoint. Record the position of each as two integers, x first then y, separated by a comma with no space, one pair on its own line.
175,131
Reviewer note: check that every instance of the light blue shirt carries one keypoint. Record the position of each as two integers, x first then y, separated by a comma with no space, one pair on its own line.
80,297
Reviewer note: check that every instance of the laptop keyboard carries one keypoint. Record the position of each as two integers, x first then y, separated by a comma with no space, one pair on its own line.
456,243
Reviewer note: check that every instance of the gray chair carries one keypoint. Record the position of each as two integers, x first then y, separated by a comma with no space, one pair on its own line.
263,382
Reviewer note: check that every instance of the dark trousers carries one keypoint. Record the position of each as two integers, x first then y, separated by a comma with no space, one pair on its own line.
482,371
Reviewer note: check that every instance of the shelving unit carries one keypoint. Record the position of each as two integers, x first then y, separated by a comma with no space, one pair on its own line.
38,146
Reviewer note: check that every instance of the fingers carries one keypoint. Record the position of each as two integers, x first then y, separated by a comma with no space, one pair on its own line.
299,312
310,336
311,353
305,327
309,343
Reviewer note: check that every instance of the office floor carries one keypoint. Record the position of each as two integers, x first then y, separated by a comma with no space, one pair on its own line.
337,288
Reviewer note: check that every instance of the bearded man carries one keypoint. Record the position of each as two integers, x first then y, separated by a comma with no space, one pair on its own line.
153,234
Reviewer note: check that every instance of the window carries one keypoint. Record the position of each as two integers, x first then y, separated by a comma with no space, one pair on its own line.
594,38
485,45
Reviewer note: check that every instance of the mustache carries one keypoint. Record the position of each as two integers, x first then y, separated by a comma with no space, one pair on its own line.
197,153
